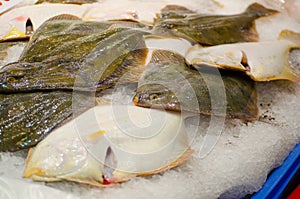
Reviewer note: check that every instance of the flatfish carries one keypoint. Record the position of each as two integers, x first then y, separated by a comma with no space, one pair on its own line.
168,83
212,29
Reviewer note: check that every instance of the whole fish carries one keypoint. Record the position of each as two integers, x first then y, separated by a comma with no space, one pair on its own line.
26,118
67,53
168,83
213,29
98,149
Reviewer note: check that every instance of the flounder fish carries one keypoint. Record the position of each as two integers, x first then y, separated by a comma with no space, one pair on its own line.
168,83
67,53
105,145
213,29
262,61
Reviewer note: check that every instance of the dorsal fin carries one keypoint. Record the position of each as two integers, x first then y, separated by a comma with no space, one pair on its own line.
64,17
160,56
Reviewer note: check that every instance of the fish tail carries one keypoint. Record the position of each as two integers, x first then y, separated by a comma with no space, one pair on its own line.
259,10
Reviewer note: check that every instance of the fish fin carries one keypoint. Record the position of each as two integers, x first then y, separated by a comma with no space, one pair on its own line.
110,164
64,17
173,7
251,35
161,56
186,154
259,10
134,64
290,36
250,112
102,101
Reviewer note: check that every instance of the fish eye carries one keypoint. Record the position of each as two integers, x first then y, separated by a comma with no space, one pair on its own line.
153,96
10,79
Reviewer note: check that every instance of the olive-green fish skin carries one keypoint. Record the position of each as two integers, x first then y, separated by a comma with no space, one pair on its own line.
69,59
174,86
26,118
215,29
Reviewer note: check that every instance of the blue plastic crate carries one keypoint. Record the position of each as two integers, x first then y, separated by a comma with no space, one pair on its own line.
279,179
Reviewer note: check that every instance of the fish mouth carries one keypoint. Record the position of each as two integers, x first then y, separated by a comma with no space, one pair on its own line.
136,100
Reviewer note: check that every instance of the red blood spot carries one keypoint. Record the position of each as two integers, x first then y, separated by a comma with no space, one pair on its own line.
0,3
105,180
6,0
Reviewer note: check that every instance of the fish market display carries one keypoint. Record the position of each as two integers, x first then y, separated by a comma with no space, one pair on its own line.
213,29
64,50
168,82
185,57
263,61
96,151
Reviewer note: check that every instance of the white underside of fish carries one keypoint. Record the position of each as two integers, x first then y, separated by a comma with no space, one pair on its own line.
110,144
11,54
262,61
16,18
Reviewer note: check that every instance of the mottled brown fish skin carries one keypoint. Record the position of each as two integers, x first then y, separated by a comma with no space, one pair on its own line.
214,29
173,86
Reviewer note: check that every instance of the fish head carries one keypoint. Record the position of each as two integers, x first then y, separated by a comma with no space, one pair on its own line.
156,96
14,74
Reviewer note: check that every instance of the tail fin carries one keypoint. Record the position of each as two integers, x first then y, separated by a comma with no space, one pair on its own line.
259,10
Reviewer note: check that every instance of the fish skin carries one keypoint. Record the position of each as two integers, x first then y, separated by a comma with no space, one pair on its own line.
213,29
26,118
47,64
157,89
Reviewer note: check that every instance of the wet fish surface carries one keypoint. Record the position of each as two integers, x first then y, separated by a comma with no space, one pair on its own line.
212,29
168,83
26,118
65,49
